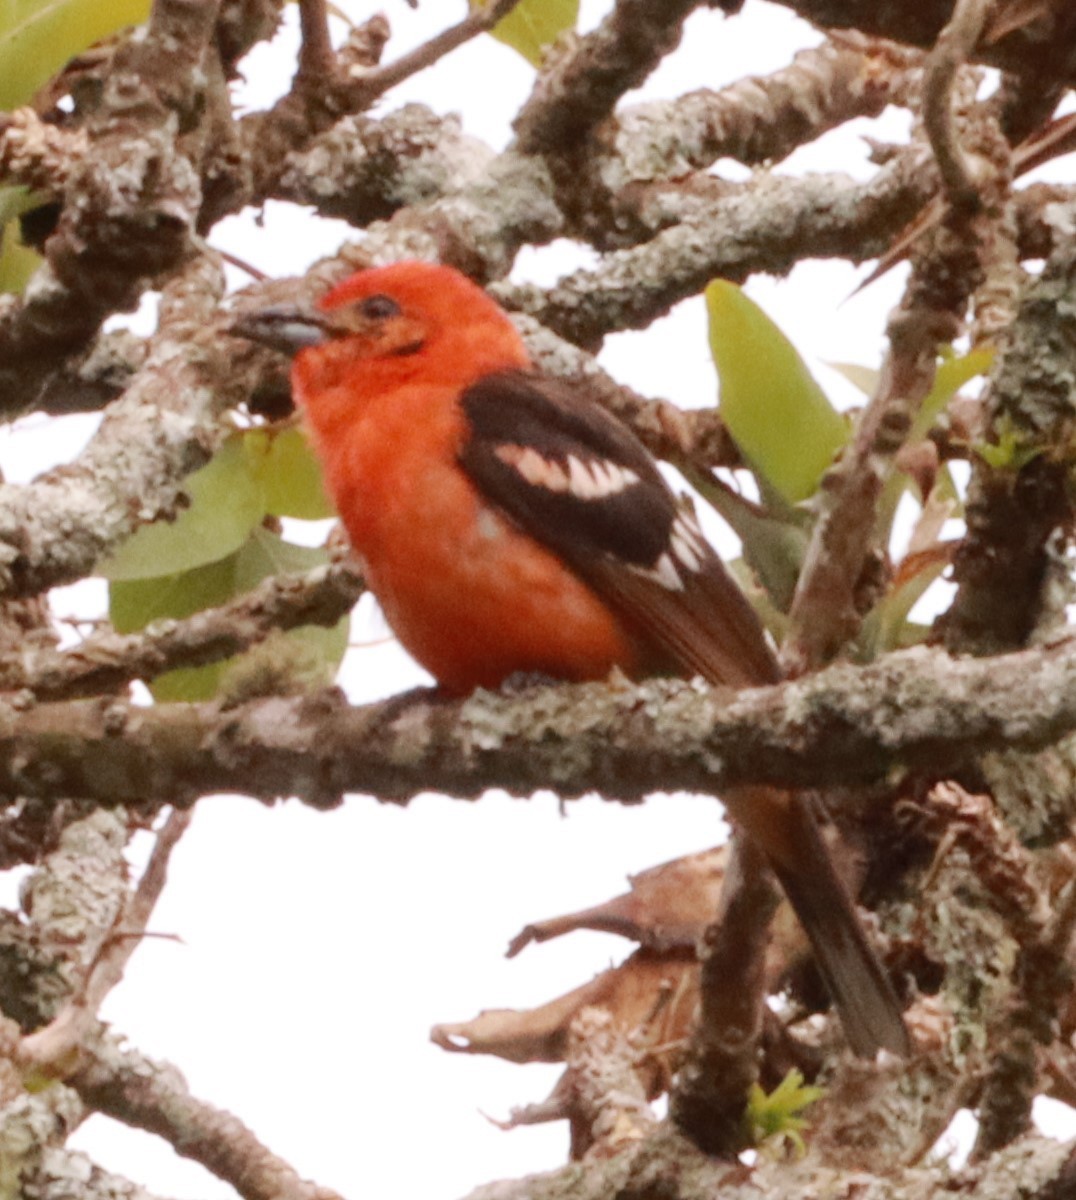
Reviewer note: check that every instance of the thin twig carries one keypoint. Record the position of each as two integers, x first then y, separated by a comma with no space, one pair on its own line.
481,19
241,264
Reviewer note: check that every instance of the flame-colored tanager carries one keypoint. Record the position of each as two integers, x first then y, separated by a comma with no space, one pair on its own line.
507,523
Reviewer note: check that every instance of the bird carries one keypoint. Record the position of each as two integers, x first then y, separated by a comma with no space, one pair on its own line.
510,525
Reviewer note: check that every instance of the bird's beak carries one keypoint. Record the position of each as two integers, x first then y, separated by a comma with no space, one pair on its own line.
285,327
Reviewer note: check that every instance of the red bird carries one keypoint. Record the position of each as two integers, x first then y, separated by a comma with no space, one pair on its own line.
507,522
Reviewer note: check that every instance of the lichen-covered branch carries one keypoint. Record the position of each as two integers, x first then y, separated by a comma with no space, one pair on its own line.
154,1097
582,87
1019,495
917,709
105,662
130,201
768,225
63,1174
55,529
670,1167
762,118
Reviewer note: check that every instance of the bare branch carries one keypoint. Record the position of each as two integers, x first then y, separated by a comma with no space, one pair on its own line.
1039,44
603,1093
767,225
669,1166
316,57
354,169
763,118
50,1052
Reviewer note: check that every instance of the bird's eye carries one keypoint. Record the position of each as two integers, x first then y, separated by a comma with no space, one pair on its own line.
379,308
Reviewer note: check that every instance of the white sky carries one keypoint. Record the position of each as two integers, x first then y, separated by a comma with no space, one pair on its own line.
318,949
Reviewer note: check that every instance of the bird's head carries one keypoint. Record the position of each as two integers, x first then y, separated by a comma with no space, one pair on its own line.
385,316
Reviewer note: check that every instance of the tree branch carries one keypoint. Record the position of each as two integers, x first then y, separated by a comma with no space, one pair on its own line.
917,709
827,608
761,119
712,1086
670,1167
954,46
581,89
107,661
768,225
130,202
1041,45
55,529
151,1096
1019,494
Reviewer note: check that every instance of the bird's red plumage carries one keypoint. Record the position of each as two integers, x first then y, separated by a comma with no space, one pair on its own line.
508,524
472,598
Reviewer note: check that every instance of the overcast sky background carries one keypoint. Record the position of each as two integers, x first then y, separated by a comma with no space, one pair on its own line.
318,949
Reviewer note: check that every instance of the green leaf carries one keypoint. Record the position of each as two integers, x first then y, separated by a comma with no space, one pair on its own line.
863,378
266,553
17,262
782,421
37,37
535,24
290,474
308,656
134,603
952,373
227,501
774,536
14,201
777,1115
189,685
1012,449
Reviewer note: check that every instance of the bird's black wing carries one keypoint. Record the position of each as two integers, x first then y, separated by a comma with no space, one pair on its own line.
548,455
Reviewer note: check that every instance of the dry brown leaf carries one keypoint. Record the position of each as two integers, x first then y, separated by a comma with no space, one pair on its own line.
668,907
651,998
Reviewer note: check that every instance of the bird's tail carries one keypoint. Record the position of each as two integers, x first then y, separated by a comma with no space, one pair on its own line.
857,982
